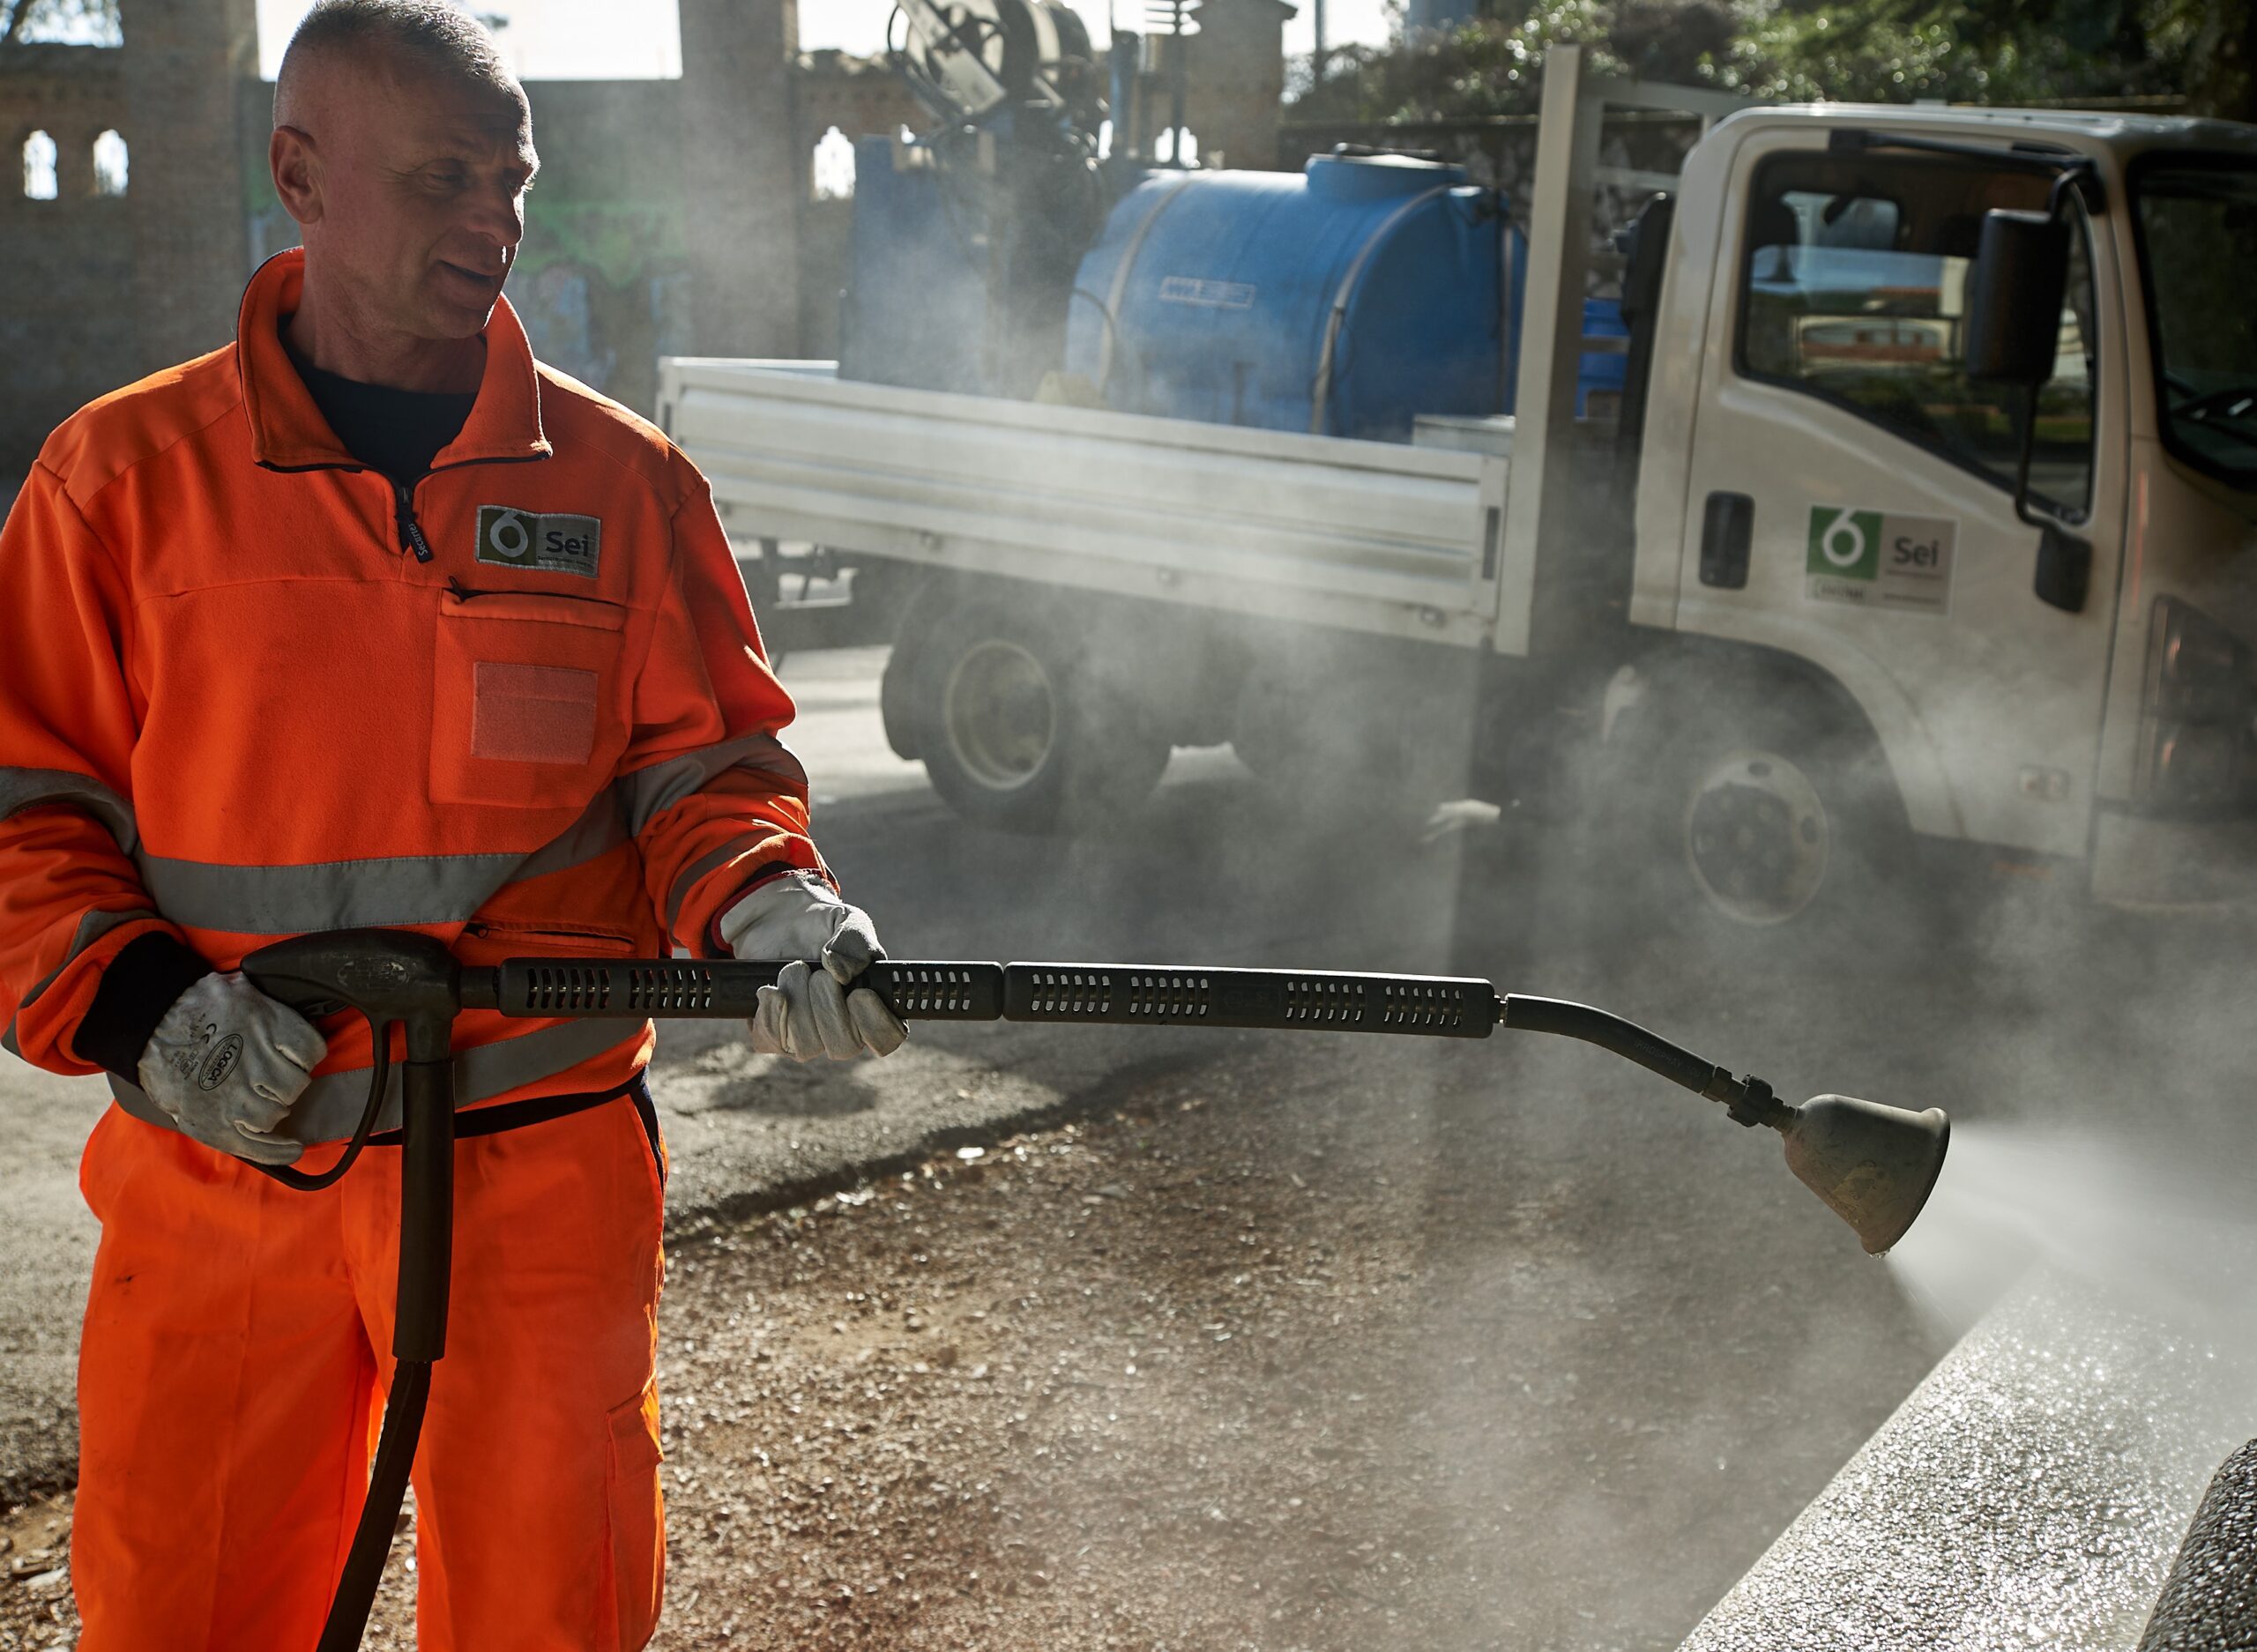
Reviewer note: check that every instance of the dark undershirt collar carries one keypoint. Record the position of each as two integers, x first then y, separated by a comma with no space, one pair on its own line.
399,432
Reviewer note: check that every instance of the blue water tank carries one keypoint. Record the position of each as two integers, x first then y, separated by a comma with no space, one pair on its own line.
1344,300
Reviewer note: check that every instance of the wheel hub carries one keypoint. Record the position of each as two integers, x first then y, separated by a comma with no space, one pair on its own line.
999,710
1756,838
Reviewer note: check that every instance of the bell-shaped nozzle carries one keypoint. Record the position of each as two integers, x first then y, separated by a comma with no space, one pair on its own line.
1872,1164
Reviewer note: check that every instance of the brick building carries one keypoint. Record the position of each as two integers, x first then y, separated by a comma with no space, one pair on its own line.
99,289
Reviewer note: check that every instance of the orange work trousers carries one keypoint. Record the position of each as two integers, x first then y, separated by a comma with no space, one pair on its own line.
237,1346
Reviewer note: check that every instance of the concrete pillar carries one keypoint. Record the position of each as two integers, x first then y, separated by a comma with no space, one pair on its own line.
182,60
745,175
1236,84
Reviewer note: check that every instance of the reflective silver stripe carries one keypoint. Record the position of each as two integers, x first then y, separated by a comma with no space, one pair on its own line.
695,870
330,1106
290,900
91,927
600,829
27,788
649,792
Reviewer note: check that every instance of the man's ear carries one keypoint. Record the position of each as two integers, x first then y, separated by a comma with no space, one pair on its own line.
296,167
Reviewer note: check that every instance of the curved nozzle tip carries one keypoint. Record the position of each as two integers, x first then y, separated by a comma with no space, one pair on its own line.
1874,1165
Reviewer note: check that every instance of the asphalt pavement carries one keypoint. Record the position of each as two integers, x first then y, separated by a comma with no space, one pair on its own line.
1688,1280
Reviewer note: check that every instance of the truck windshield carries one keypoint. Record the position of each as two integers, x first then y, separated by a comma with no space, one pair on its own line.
2197,218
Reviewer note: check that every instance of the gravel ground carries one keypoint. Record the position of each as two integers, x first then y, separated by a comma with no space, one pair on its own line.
1249,1362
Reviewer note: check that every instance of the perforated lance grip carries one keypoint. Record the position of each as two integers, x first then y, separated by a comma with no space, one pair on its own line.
685,988
1123,995
1297,1000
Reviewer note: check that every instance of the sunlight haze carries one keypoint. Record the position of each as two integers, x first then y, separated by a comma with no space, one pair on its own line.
641,40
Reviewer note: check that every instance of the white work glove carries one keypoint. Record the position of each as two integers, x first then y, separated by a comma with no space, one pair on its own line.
808,1012
227,1063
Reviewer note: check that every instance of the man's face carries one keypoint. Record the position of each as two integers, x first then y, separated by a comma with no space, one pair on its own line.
421,179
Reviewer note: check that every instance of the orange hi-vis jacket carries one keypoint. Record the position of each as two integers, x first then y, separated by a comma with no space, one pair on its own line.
249,690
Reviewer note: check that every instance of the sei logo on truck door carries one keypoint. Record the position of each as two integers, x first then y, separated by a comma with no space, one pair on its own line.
1879,560
554,543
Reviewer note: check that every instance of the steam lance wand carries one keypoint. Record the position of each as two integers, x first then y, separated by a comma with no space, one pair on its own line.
1874,1165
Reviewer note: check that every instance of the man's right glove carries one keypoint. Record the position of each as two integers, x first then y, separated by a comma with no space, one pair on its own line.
809,1012
227,1063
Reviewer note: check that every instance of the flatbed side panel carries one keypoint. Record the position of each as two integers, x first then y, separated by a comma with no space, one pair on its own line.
1366,536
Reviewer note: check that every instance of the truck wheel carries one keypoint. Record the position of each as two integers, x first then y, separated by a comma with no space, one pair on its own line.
1020,729
1746,814
1757,837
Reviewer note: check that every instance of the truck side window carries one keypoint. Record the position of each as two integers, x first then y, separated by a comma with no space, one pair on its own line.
1852,288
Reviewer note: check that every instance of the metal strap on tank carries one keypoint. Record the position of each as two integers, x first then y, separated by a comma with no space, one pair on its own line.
1508,323
1320,398
1120,273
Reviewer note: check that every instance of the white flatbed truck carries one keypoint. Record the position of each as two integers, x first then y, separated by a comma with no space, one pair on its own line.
1828,591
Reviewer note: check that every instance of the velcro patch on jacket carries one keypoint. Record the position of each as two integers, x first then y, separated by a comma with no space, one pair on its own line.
550,541
532,713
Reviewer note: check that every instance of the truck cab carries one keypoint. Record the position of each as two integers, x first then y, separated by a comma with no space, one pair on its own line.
2058,668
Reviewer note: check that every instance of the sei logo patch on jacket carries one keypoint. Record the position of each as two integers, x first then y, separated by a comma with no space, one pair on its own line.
553,543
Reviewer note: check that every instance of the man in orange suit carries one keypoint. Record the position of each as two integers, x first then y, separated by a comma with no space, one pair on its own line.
371,619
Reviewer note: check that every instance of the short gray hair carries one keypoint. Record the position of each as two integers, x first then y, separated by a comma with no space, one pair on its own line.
433,33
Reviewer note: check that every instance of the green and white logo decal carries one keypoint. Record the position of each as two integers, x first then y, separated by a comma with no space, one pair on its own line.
551,543
1879,560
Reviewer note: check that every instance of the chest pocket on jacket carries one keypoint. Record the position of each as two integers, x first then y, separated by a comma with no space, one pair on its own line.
528,707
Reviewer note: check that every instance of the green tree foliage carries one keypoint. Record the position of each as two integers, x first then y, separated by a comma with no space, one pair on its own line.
1976,51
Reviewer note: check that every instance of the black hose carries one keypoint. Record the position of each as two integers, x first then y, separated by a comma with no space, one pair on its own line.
1626,1038
364,1563
379,1080
418,1332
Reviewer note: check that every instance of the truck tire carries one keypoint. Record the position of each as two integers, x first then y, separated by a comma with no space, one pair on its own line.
1022,728
1745,810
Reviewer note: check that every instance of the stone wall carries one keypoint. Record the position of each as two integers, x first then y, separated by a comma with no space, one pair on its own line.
616,268
96,290
861,96
63,257
671,218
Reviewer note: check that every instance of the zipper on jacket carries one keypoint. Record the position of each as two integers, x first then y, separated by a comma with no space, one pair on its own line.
411,535
461,592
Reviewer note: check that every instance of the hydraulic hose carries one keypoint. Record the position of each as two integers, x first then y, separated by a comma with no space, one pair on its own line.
419,1331
364,1562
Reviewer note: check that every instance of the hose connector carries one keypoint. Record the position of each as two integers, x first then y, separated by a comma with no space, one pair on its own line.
1748,1101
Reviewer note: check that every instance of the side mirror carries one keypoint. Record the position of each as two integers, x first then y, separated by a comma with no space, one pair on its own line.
2015,290
2014,293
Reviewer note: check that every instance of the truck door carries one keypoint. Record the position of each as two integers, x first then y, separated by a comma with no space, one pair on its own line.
1851,490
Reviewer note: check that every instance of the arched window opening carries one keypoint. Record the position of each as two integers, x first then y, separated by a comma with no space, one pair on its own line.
834,167
38,167
1177,141
109,164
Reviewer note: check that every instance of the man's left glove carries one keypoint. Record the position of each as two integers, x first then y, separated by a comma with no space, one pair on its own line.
808,1012
227,1063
